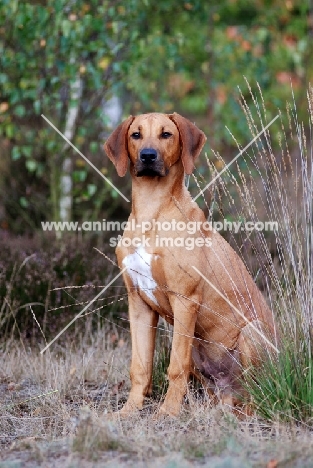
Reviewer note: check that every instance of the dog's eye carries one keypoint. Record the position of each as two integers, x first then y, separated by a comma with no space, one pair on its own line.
166,134
135,135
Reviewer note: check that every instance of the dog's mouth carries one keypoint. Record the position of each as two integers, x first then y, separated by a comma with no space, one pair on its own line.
150,170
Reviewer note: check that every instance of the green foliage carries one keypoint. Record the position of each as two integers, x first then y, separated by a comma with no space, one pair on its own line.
223,46
45,49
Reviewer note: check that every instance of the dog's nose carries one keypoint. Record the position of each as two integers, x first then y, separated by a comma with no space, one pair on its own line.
148,155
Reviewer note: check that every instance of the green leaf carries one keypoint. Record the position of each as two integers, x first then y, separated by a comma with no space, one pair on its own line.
66,27
79,176
3,78
31,165
16,154
51,145
9,130
27,150
24,202
91,188
20,110
94,147
15,96
37,107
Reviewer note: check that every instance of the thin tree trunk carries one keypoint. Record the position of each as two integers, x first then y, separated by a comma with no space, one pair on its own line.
113,111
66,183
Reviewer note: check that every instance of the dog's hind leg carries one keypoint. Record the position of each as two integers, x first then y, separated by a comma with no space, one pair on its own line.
254,344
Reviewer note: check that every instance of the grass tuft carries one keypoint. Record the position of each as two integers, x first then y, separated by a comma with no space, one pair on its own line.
94,435
282,387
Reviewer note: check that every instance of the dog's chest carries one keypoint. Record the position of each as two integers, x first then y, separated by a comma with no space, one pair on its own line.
138,266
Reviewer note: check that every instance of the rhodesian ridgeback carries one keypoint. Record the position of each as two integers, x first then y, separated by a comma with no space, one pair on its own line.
178,268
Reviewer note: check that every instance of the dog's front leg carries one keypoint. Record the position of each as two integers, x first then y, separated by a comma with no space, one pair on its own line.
143,324
185,314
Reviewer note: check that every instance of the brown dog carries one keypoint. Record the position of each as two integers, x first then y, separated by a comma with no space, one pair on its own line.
220,325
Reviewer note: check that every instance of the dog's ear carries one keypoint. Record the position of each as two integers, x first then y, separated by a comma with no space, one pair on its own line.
192,141
116,146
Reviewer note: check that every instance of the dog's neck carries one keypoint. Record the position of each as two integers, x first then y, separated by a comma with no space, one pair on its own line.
151,194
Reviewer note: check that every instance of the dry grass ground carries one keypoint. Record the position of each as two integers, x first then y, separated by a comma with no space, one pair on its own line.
54,413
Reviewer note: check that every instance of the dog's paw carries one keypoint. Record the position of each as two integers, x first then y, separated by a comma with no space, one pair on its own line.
117,415
166,411
129,409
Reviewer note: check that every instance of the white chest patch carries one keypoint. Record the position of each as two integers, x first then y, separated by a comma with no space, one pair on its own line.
138,266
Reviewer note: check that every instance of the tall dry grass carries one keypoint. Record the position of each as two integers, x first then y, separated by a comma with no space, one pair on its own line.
277,187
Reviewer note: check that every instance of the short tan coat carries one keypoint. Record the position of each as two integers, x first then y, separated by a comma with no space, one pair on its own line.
211,339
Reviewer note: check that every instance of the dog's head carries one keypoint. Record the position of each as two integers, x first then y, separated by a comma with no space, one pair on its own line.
153,143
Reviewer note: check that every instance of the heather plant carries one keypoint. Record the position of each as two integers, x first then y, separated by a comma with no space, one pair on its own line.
51,282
